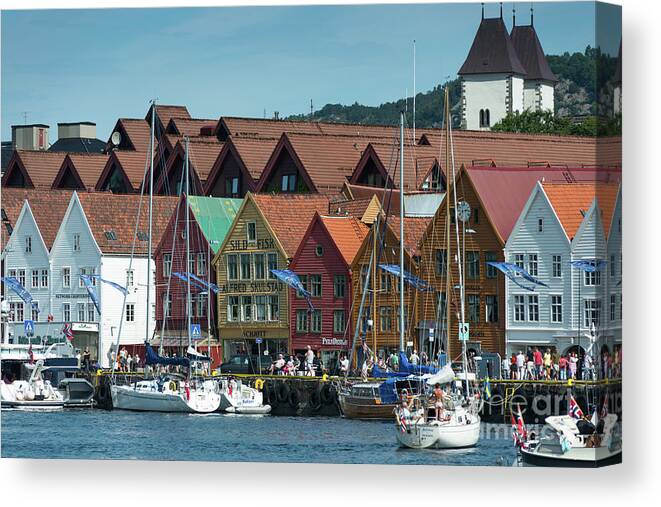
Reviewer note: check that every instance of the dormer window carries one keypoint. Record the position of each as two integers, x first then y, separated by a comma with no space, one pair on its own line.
288,183
540,225
251,230
28,244
76,242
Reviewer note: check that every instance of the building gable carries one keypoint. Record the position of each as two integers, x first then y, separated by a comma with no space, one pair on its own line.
227,167
370,171
16,175
284,164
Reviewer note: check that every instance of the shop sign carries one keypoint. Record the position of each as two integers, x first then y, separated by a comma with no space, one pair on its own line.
85,326
249,287
244,244
334,342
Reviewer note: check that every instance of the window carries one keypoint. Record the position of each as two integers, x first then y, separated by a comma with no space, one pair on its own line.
473,307
44,278
518,260
28,244
130,312
258,259
231,185
406,318
385,319
81,312
35,311
491,307
315,321
16,311
21,277
202,305
473,265
304,283
386,282
201,264
519,308
191,263
533,308
35,278
490,270
273,264
476,216
301,321
484,118
232,267
540,225
274,308
245,267
88,272
129,278
233,308
288,182
167,264
532,264
557,266
260,308
319,250
167,305
251,232
91,312
246,308
611,267
441,262
315,286
339,321
76,242
592,313
12,273
66,278
592,278
556,308
66,312
339,285
363,276
613,306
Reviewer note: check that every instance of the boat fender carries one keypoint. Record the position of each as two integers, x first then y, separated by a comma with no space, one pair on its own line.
326,395
173,385
315,399
259,384
282,392
293,398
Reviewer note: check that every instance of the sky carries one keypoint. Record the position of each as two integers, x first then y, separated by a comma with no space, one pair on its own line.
102,64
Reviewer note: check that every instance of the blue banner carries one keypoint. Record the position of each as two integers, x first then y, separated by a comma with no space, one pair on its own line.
414,281
186,279
589,265
291,279
512,270
207,285
91,290
121,289
21,291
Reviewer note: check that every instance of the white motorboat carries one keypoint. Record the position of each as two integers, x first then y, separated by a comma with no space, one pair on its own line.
569,442
34,392
238,398
167,395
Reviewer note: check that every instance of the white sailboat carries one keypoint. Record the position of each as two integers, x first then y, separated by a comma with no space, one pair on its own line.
238,398
459,425
166,394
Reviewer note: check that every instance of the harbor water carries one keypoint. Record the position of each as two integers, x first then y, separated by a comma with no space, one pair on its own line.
99,434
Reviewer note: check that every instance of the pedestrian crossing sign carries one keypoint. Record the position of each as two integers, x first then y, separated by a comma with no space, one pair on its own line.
195,331
464,331
28,325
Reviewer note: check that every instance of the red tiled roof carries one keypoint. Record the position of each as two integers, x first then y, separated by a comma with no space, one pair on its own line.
166,112
48,208
414,229
255,153
572,200
107,212
347,233
289,215
202,155
349,207
389,199
190,126
418,162
133,163
138,132
505,191
89,166
41,166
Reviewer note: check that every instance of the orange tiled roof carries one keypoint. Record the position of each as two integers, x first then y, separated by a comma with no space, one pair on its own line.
89,166
40,166
48,208
414,229
572,200
289,215
133,163
255,153
166,112
107,212
347,233
138,132
190,126
202,155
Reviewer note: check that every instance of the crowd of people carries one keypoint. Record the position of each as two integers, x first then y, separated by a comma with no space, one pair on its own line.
536,364
308,364
126,362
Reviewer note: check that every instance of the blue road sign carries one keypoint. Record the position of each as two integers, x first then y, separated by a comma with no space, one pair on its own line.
258,341
28,325
195,331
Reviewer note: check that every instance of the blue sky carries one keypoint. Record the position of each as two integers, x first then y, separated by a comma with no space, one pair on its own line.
102,64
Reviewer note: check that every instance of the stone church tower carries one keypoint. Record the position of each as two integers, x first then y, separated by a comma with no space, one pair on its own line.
504,73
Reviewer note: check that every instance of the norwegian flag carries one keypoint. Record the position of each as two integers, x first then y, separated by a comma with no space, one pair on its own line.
50,317
604,408
574,410
519,432
402,420
67,331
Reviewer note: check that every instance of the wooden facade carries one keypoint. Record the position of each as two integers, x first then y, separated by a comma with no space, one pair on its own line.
484,285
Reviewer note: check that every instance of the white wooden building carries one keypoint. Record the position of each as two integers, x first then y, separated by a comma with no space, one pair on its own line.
561,223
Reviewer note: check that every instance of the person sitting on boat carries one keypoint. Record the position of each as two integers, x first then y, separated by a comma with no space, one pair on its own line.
438,398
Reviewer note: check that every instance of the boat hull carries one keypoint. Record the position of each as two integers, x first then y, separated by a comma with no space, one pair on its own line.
576,458
127,398
439,436
365,409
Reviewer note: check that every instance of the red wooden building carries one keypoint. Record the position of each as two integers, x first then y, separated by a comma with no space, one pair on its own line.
323,262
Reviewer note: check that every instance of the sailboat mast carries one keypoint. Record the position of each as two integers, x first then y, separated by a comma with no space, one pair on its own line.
401,231
448,281
188,296
151,207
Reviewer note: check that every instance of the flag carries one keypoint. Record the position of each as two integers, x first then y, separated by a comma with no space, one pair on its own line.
50,317
68,332
521,426
574,410
21,291
91,291
291,279
604,408
594,419
515,435
487,388
402,420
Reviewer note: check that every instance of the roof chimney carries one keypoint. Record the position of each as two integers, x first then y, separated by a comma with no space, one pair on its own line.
30,137
76,130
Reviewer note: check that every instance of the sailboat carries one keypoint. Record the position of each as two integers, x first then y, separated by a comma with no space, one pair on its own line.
166,394
458,424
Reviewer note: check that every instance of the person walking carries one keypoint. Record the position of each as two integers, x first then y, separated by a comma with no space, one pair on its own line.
573,362
505,374
414,359
548,363
521,366
309,362
539,361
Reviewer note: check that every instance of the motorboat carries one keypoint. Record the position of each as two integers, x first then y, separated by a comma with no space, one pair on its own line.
167,394
569,442
239,398
375,399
